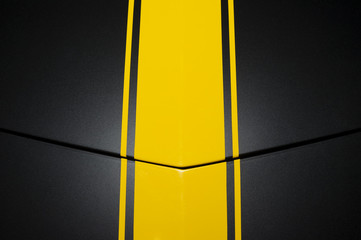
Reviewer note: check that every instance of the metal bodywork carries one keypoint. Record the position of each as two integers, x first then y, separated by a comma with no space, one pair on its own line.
155,119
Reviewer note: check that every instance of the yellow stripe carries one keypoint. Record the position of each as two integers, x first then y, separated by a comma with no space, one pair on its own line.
180,204
180,112
123,146
232,54
180,122
237,198
122,198
237,163
128,52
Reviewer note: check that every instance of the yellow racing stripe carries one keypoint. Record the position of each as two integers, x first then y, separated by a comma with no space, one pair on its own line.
179,97
180,121
128,52
232,49
177,204
237,163
124,127
180,109
122,198
237,199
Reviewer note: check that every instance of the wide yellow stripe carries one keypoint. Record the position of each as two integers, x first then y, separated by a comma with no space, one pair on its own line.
237,198
180,109
128,52
180,204
122,198
232,54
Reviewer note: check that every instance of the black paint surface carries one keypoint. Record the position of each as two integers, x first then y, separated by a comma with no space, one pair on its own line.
312,192
298,70
62,70
52,192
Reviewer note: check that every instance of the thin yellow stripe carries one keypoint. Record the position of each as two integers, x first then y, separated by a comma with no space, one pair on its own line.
237,198
128,52
232,54
122,198
123,143
237,163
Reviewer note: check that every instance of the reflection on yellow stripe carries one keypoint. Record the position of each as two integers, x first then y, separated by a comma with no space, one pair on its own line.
180,204
128,51
237,198
122,198
180,112
232,49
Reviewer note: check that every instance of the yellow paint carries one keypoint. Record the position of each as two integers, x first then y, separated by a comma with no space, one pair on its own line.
180,113
237,198
122,198
180,122
128,51
180,204
232,54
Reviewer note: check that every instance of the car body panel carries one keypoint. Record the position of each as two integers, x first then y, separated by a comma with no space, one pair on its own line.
88,153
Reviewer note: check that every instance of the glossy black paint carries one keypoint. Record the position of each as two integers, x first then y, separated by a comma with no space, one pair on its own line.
298,70
62,70
310,192
52,192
